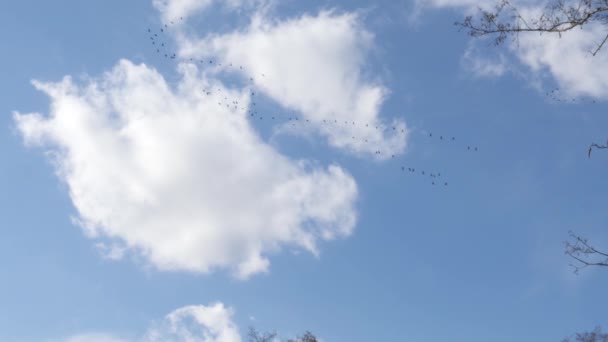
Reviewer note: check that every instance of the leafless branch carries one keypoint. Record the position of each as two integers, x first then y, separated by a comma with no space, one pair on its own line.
255,336
599,46
307,337
597,146
561,16
594,336
584,253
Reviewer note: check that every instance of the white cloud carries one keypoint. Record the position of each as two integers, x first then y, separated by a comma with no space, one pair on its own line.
173,10
474,5
456,3
176,10
94,337
315,65
171,175
194,323
567,60
480,65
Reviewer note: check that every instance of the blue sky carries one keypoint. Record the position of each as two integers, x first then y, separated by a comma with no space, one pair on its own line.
103,239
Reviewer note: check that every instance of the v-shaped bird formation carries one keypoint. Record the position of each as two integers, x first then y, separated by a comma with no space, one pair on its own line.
161,46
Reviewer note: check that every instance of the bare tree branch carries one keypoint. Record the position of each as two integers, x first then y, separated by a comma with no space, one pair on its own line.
594,145
255,336
599,46
595,336
307,337
559,17
584,253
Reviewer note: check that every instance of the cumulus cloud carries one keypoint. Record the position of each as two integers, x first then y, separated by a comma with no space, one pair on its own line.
314,64
178,176
567,60
194,323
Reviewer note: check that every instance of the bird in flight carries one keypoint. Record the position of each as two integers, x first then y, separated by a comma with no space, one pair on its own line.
596,146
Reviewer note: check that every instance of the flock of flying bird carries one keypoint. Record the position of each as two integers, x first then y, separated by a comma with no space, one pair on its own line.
555,95
161,45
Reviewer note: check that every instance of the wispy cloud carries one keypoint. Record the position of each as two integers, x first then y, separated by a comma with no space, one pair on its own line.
180,10
481,65
314,64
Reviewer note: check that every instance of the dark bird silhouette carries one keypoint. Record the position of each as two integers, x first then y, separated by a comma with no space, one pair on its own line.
596,146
